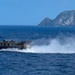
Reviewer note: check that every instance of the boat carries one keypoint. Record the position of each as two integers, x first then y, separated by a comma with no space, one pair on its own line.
14,44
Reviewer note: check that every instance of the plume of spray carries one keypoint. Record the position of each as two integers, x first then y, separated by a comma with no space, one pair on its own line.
55,46
60,44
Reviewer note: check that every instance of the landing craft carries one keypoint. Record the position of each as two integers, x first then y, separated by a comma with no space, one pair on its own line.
14,44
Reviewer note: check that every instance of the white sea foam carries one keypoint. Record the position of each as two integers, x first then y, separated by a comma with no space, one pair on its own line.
56,45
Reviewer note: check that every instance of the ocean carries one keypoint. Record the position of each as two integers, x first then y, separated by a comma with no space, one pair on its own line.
52,51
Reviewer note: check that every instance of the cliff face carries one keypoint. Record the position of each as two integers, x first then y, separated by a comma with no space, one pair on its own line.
66,18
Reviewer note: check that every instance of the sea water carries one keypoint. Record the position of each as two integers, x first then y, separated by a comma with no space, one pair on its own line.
52,51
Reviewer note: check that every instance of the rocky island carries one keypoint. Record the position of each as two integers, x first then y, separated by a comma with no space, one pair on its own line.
66,18
45,22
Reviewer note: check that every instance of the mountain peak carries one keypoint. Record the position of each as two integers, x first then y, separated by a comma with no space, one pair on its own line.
66,18
69,11
45,22
47,18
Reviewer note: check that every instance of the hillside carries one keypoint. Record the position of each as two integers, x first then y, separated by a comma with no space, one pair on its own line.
66,18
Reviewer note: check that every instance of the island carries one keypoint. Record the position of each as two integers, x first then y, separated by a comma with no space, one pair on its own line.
66,18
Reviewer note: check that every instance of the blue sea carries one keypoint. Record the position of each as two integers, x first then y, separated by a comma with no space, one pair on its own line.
52,51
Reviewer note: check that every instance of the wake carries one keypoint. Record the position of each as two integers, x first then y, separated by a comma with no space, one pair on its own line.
56,45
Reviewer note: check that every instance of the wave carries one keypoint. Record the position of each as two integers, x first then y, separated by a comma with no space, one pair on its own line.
55,45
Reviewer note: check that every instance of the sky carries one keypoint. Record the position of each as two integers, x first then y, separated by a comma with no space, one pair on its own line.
31,12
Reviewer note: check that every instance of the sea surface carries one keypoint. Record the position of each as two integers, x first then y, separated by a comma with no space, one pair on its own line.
33,32
52,51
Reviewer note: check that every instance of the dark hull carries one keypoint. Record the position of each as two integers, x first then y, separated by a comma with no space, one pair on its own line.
5,47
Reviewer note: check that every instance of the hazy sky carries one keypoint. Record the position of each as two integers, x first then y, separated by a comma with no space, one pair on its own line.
31,12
